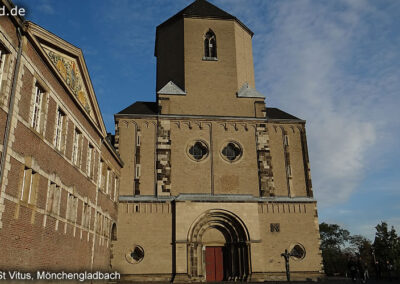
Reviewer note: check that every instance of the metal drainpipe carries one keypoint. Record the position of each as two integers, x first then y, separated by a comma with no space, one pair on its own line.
11,107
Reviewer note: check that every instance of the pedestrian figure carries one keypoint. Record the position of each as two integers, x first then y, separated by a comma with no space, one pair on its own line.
364,272
389,268
378,270
352,266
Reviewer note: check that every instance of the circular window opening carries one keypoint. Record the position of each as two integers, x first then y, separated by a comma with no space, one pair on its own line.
135,255
298,252
198,150
232,152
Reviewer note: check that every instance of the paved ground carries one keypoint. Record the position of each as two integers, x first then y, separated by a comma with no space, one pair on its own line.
328,280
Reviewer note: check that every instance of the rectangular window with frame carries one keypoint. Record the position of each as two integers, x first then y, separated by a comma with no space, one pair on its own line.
89,163
59,136
3,53
102,177
53,199
99,225
86,215
108,182
116,182
72,208
38,109
108,228
29,186
76,147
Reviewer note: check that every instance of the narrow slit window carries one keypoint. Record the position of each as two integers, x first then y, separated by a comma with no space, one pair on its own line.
286,140
289,171
137,175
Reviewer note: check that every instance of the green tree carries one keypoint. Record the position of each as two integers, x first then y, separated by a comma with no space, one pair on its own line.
361,247
387,246
333,240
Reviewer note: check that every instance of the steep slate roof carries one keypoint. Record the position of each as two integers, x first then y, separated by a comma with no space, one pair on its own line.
151,108
276,113
201,9
140,108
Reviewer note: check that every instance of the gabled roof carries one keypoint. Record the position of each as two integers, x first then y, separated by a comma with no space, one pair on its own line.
276,113
152,109
247,92
171,89
140,108
202,9
68,64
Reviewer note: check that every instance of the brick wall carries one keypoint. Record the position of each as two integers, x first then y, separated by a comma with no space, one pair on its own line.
31,235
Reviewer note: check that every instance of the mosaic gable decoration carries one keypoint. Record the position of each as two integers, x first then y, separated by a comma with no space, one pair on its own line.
69,70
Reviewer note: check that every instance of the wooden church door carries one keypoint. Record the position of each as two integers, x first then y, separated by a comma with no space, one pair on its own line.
214,264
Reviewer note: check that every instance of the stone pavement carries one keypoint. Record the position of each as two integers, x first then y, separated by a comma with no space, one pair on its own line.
328,280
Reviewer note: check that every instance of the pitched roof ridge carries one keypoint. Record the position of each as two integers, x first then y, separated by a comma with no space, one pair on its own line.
205,9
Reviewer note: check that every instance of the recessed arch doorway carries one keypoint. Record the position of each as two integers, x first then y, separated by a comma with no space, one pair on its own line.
218,247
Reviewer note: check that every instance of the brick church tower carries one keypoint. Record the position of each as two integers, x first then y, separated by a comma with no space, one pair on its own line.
215,185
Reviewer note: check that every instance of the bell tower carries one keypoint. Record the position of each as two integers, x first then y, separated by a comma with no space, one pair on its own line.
205,64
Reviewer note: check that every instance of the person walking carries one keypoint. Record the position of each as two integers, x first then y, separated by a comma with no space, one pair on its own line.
378,270
364,272
352,266
389,268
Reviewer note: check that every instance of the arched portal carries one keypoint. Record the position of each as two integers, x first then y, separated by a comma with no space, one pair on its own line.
222,230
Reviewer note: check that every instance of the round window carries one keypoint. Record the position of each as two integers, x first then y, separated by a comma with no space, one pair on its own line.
232,152
198,150
135,255
298,252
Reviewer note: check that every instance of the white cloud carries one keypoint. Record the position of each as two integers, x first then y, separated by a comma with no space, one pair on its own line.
330,63
368,229
46,8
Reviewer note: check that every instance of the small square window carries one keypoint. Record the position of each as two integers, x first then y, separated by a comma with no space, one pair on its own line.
275,227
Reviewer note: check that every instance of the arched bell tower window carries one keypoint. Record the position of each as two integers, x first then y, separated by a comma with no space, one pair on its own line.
210,46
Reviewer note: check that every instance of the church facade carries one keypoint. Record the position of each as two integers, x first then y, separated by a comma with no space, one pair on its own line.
215,185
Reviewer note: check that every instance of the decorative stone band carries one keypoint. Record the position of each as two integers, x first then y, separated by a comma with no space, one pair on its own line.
214,198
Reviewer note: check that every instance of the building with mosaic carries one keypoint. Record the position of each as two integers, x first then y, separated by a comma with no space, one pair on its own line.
59,173
215,185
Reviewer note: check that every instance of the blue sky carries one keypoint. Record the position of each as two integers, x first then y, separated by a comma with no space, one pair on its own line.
334,63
